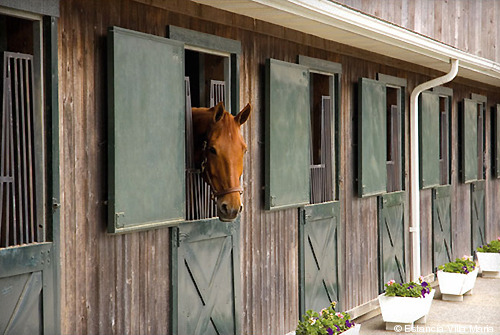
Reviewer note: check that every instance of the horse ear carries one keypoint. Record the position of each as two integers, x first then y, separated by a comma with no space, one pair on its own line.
218,111
243,115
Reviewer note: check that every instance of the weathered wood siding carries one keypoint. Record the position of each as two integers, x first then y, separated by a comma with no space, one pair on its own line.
468,25
110,284
119,284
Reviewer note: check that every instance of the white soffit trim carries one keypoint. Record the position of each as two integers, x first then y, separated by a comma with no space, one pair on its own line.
341,24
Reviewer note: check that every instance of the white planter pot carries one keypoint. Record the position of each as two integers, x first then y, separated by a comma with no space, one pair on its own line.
404,310
351,331
489,262
454,285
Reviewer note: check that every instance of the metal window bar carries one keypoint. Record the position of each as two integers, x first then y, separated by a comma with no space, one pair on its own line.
199,202
322,174
17,178
217,92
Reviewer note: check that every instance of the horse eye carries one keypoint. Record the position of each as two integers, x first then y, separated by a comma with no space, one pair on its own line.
212,150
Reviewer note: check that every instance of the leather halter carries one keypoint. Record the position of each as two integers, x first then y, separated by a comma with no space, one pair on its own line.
204,171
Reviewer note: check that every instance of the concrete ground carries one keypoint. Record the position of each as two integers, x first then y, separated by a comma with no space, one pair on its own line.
478,313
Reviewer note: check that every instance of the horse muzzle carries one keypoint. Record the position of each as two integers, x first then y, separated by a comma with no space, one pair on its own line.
229,206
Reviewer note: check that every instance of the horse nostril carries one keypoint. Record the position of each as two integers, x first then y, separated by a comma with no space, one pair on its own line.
223,208
241,208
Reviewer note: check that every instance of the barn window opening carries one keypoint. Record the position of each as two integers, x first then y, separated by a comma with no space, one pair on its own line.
393,160
20,221
322,183
205,82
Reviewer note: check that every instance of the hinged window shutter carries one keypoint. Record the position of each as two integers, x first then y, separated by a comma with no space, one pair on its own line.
146,131
469,141
287,135
496,136
429,139
372,137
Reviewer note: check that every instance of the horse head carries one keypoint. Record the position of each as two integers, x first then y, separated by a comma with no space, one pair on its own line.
219,149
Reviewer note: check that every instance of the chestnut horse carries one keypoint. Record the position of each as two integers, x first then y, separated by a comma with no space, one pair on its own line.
218,151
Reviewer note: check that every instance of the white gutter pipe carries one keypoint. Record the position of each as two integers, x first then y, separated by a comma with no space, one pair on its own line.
414,165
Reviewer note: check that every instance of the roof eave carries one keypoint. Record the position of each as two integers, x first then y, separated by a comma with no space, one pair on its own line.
341,24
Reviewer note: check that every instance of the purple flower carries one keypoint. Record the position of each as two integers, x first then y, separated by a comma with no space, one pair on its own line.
424,284
424,291
349,324
338,328
329,331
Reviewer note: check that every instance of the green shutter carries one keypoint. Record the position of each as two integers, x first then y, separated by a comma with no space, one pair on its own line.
287,135
429,140
496,136
372,138
469,141
146,130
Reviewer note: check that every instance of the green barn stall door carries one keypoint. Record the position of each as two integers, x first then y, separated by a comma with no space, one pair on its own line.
29,179
208,278
469,141
372,138
391,227
441,226
318,253
287,135
478,219
21,312
146,131
429,140
27,289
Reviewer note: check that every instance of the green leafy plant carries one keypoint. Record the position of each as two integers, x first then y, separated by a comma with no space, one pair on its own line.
411,289
463,265
326,322
493,246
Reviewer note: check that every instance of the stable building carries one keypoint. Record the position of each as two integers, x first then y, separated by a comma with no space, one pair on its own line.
373,154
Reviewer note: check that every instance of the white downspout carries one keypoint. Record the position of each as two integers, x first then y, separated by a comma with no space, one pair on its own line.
414,165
